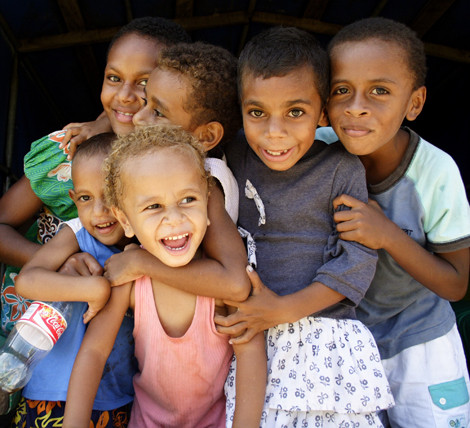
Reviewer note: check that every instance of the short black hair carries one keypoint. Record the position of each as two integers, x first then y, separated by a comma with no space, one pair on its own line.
280,50
391,31
99,144
156,28
212,72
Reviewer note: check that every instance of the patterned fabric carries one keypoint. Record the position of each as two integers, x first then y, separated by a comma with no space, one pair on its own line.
45,414
49,173
13,305
320,367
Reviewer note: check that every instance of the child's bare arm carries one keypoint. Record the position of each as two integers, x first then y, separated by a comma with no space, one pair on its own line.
39,280
17,206
91,358
265,309
446,274
221,274
250,382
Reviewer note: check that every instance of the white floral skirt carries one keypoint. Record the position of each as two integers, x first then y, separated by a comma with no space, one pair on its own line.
320,368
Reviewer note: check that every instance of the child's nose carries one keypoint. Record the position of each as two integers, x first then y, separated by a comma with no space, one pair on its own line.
100,208
173,216
275,127
127,93
357,106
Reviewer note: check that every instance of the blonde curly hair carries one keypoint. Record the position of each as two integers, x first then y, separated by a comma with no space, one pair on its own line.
141,142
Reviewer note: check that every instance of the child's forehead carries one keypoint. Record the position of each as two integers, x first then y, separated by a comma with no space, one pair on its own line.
297,80
378,44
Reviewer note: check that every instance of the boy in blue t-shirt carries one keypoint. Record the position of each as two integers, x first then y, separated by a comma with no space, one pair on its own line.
418,219
97,232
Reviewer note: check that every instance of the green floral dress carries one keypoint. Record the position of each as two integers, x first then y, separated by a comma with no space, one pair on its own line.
49,172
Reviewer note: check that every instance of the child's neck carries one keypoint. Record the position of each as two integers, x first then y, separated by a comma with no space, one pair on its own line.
383,162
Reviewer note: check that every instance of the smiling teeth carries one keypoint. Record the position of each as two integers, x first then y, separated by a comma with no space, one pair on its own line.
277,153
174,238
125,114
105,225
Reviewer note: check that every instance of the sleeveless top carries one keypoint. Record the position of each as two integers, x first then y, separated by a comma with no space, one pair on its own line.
181,379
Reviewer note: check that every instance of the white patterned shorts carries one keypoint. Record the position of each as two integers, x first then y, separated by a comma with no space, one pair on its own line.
322,372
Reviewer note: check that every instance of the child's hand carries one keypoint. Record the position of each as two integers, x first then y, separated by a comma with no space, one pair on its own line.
102,291
122,268
363,223
259,312
77,133
81,264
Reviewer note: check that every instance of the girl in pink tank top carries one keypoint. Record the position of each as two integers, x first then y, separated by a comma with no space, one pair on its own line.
158,190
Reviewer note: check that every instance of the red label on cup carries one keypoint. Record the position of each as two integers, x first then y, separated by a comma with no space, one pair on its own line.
46,318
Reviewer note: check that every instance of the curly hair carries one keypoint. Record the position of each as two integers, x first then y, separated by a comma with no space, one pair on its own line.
280,50
212,71
390,31
161,30
141,142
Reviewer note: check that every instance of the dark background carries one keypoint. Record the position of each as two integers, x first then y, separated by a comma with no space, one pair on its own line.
52,57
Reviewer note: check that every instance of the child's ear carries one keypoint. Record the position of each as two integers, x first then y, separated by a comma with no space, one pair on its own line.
122,219
72,194
323,119
209,134
418,97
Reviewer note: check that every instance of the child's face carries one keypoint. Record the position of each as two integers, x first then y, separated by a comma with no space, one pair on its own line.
130,62
166,94
371,94
280,116
88,183
165,205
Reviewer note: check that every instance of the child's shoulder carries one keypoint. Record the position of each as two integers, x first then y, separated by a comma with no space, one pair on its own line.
429,162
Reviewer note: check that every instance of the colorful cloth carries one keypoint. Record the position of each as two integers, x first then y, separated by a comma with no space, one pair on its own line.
49,173
50,414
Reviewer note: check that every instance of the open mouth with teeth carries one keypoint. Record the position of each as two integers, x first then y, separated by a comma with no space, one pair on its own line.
106,227
277,153
124,116
176,242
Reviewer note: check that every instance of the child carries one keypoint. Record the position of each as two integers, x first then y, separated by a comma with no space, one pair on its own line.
423,234
131,57
184,89
323,365
98,232
158,188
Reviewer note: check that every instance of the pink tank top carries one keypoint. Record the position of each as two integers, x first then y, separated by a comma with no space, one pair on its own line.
181,380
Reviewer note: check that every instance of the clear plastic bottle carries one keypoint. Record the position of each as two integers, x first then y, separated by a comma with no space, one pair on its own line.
30,340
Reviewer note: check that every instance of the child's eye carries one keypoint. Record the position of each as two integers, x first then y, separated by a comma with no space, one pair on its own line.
143,82
84,198
113,78
188,200
380,91
340,91
256,113
158,113
296,113
153,207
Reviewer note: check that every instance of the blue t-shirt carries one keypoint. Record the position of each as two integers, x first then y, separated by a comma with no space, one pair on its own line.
50,378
